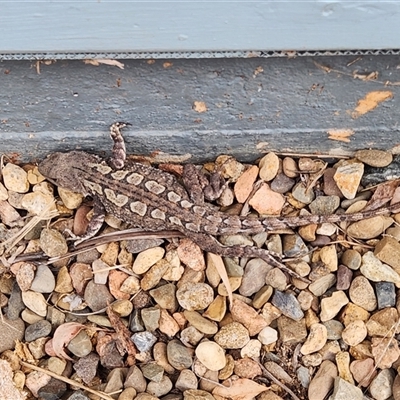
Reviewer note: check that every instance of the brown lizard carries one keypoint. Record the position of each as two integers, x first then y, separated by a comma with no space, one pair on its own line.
151,199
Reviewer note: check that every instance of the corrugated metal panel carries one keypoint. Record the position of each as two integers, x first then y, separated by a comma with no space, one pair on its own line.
50,29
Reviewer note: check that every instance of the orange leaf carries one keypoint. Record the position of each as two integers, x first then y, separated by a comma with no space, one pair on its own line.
240,389
63,335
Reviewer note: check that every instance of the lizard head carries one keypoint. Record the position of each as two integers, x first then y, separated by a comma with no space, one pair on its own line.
63,169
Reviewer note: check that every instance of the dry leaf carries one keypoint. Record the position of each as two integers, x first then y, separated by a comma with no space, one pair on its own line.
63,335
371,101
97,62
382,195
240,389
199,106
341,135
366,77
220,267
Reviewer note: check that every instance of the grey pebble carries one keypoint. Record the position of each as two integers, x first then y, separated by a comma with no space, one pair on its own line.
303,375
325,205
15,303
86,367
334,329
179,356
288,305
97,296
135,322
37,330
53,390
10,332
77,395
144,341
344,277
282,183
386,294
44,281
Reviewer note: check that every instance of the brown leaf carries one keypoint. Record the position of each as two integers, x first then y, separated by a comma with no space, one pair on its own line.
105,61
382,195
63,335
220,267
240,389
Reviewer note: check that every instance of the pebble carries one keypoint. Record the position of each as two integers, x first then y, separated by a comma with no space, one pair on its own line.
334,329
35,302
345,390
244,184
195,394
202,324
248,316
301,194
130,285
37,330
278,371
70,199
191,255
381,386
354,333
186,380
321,285
232,336
15,178
254,276
385,351
374,270
290,167
11,331
153,276
267,202
388,251
80,345
251,349
352,259
269,166
293,245
351,312
316,339
282,183
44,281
86,367
287,304
330,306
362,293
348,177
190,336
24,275
229,167
144,341
153,372
159,389
146,259
247,368
343,364
80,275
303,375
386,294
37,203
135,379
53,243
277,279
329,257
161,357
211,355
305,299
9,215
194,296
324,205
382,322
3,193
151,318
374,158
369,228
291,331
268,335
97,297
63,281
363,371
217,309
54,389
322,383
164,296
179,356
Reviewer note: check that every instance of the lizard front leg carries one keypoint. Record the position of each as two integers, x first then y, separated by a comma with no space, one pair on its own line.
211,244
117,160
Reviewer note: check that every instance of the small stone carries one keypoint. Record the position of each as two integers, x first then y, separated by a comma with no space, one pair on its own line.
315,340
135,379
164,296
386,294
374,270
167,324
147,259
247,368
321,285
282,183
330,306
244,185
63,281
151,318
345,390
344,277
211,355
80,345
352,259
159,389
324,205
9,215
127,394
194,296
217,309
381,386
191,255
268,335
97,297
44,281
363,371
37,203
3,192
278,371
53,243
287,304
352,312
348,177
37,330
354,333
100,271
35,302
179,356
343,365
382,322
131,285
15,178
305,300
54,389
385,351
293,245
322,383
186,380
267,202
153,276
193,394
362,293
70,199
161,357
232,336
24,275
144,341
374,158
122,307
303,375
369,228
254,277
229,167
11,331
276,278
80,275
247,316
86,367
301,194
153,372
252,349
269,166
200,323
334,329
291,331
388,251
190,336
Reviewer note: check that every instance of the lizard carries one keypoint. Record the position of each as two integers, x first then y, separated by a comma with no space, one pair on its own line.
152,199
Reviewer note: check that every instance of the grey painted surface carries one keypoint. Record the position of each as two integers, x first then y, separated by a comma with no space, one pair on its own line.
253,105
199,26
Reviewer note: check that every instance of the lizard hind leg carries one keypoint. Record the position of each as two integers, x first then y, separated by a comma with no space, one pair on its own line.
211,244
117,160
